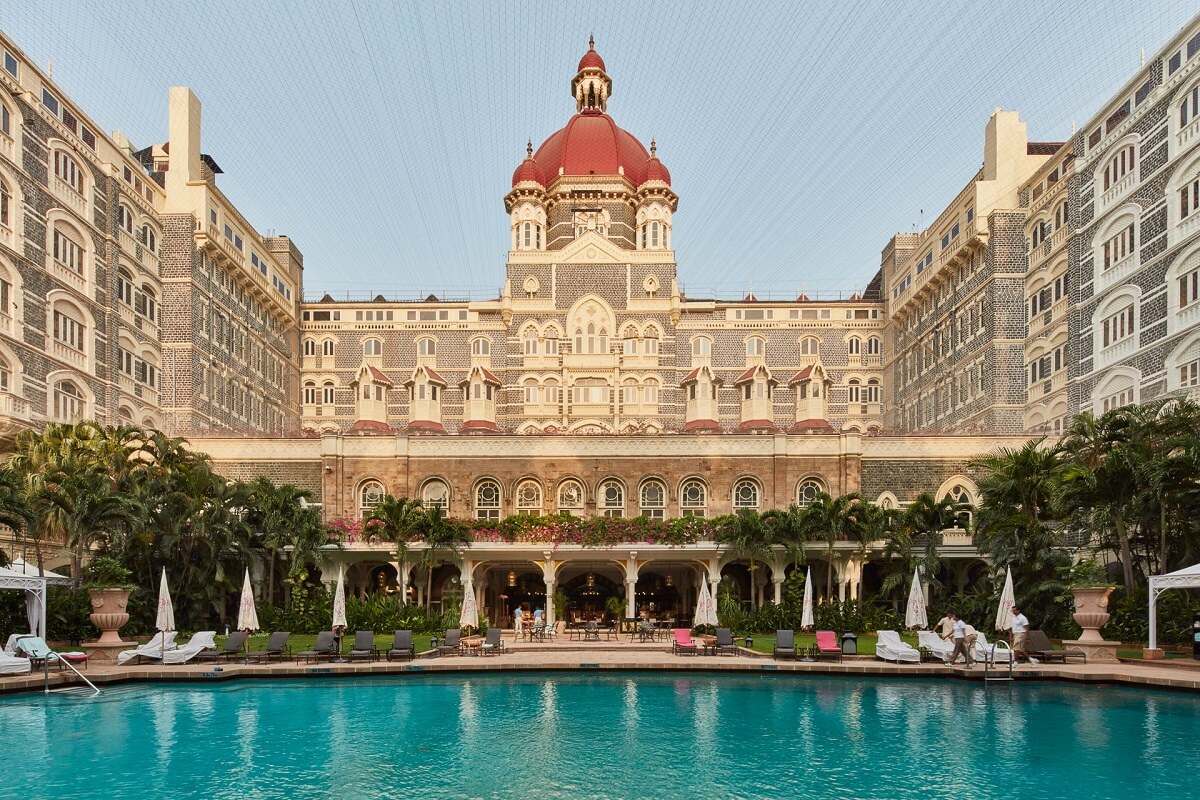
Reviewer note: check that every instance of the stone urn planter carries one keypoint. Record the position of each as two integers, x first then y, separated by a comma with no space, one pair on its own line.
1091,612
109,613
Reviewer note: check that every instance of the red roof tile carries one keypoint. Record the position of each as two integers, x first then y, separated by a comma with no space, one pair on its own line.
812,426
755,425
801,375
379,377
745,376
479,426
370,426
702,426
433,376
691,376
424,426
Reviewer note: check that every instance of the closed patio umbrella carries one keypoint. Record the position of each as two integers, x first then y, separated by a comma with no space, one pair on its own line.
339,602
247,614
469,617
915,615
806,617
166,610
1008,599
706,607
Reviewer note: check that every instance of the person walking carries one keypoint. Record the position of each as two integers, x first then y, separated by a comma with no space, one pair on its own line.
958,632
1020,628
944,626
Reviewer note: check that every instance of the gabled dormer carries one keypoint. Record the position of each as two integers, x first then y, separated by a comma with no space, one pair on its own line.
479,400
426,389
700,391
756,389
811,385
371,387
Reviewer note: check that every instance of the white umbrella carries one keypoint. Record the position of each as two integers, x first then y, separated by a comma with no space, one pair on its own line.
166,610
914,615
706,607
806,618
469,617
339,602
1008,599
247,614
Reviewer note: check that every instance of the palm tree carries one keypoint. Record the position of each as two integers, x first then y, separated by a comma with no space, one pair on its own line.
397,518
833,520
747,537
82,508
788,530
14,506
277,512
441,535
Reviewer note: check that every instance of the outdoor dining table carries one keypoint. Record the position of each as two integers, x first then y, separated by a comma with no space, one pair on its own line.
471,644
708,645
591,633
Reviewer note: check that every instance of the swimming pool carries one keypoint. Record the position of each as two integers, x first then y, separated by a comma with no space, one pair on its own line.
599,736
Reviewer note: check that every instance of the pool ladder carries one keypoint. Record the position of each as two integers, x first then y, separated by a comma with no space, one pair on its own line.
990,664
67,689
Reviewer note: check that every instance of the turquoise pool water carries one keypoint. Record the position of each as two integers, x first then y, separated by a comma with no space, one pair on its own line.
610,736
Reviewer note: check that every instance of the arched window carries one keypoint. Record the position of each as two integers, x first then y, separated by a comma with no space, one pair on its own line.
855,345
962,496
372,347
310,393
310,347
6,202
745,495
68,171
873,390
369,494
125,287
6,382
650,392
436,494
6,120
487,500
873,346
551,338
611,499
701,347
591,390
125,218
327,347
529,498
810,346
693,498
530,341
651,342
551,391
66,245
570,498
532,392
629,391
68,329
852,389
807,491
755,346
654,234
528,235
149,239
481,347
1060,215
69,402
653,498
629,342
426,347
327,393
147,303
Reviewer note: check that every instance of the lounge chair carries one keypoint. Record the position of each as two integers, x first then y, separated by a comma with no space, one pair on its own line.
152,650
1039,646
492,643
402,646
889,647
14,665
785,644
277,645
323,647
933,646
235,644
451,643
364,646
683,643
37,651
10,647
725,642
984,652
827,646
203,644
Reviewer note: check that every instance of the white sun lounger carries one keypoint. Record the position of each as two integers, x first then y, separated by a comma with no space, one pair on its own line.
891,648
983,651
935,644
200,641
152,649
14,665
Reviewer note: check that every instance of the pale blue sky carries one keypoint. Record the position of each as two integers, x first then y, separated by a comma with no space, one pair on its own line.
800,136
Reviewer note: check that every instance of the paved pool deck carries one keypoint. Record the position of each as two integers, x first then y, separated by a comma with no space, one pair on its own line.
611,656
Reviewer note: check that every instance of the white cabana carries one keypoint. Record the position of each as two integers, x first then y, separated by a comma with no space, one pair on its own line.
1187,578
26,578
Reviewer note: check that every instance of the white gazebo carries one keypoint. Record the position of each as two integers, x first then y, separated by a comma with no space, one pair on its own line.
1187,578
23,577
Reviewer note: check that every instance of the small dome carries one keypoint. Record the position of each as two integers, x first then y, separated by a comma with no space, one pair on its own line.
528,170
592,144
656,171
591,58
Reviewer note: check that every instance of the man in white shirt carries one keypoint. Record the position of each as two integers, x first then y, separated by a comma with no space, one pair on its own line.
959,633
1020,627
944,626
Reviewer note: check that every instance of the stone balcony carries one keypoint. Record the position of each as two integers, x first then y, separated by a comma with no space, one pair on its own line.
1116,352
69,197
8,148
15,414
1117,191
69,355
1187,135
7,237
68,276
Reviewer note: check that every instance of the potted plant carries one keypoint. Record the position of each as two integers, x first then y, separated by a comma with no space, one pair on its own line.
560,607
108,588
615,606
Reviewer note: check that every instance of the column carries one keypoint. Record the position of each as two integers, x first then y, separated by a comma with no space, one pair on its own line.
630,597
550,601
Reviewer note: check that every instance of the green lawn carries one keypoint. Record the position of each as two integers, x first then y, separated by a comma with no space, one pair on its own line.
304,641
765,642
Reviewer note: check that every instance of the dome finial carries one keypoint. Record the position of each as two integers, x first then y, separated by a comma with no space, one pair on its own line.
529,148
653,148
591,41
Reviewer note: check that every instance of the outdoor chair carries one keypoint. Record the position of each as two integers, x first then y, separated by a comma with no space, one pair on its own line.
402,646
985,654
683,644
151,650
785,644
827,646
492,644
364,647
322,648
277,645
203,644
37,651
933,647
234,644
14,665
450,644
725,643
890,647
1039,646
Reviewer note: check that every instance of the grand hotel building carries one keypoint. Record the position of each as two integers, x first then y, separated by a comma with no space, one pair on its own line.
1063,277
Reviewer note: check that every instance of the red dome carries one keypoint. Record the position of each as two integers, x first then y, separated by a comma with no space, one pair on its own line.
592,144
655,171
591,59
528,170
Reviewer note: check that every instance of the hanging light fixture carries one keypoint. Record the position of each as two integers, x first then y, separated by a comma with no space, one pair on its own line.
591,580
670,581
512,577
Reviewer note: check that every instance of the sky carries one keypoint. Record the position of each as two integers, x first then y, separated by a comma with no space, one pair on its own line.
382,136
